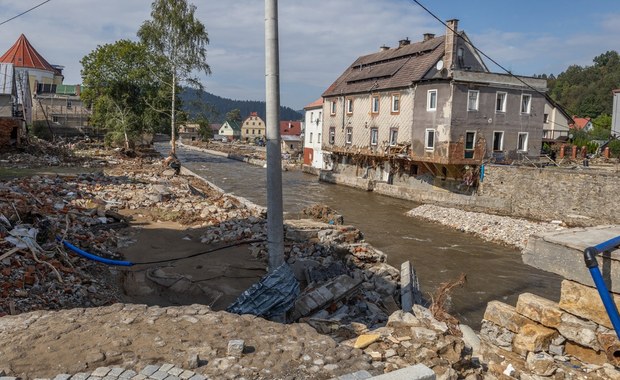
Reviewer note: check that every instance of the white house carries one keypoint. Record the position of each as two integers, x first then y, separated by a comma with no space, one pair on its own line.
313,154
231,129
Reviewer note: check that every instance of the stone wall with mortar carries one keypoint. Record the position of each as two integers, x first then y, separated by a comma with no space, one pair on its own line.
577,196
544,338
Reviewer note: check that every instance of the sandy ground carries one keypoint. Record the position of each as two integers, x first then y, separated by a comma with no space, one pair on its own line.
213,278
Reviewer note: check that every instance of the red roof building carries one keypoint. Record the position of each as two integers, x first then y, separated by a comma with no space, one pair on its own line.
582,123
23,54
290,128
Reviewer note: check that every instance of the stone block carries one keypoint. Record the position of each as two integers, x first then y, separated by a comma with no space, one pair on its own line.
541,363
579,331
359,375
539,309
101,371
533,338
496,335
585,354
235,347
585,302
149,370
505,316
366,340
416,372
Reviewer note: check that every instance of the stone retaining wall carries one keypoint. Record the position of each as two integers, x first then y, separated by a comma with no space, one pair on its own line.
542,337
578,196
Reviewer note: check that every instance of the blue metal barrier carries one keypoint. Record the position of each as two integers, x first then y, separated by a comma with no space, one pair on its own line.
589,256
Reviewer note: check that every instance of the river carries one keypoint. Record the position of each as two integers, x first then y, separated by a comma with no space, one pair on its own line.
438,253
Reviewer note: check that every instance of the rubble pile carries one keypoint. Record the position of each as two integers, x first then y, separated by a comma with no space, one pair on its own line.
85,210
323,213
499,229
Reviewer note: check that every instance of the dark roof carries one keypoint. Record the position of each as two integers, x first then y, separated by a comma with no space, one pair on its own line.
392,68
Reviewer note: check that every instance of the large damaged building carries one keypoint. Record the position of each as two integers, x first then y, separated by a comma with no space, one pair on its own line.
429,111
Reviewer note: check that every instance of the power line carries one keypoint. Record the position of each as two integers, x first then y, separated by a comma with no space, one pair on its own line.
489,58
24,12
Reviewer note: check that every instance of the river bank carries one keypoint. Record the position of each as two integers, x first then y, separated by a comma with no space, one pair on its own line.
499,229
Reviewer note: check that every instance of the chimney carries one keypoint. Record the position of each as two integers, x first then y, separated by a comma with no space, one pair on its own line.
384,48
428,36
450,44
78,89
404,42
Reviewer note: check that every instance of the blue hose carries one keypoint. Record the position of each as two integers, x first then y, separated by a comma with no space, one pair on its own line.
90,256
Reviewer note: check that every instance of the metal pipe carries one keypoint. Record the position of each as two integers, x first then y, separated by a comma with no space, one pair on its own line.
589,256
275,223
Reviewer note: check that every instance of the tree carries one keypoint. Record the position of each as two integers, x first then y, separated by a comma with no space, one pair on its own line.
204,128
234,115
180,39
120,87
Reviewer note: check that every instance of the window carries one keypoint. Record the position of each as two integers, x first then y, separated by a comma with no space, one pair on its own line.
472,100
375,104
69,104
310,138
311,117
332,135
546,118
522,142
429,140
253,131
500,102
318,119
349,135
470,143
526,103
374,136
395,103
349,106
393,136
431,100
498,141
319,137
332,109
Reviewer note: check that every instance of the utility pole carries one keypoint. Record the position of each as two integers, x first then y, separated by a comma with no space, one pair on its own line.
275,224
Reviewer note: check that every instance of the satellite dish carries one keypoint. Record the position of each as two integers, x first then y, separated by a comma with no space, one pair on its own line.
439,65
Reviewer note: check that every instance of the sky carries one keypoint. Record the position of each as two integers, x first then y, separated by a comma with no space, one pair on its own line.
320,39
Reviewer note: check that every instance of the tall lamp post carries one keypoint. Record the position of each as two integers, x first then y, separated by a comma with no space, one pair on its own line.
275,224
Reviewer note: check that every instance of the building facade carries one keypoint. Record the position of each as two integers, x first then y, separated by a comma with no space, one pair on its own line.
615,117
231,130
429,108
313,153
252,128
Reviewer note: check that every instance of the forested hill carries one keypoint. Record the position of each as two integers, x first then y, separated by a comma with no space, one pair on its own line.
215,107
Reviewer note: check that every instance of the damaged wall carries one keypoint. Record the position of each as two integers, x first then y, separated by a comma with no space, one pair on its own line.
577,196
12,131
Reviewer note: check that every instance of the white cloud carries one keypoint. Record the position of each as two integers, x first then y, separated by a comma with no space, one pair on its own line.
318,40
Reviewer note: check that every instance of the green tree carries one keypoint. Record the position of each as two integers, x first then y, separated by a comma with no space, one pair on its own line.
204,128
602,127
180,39
234,115
119,85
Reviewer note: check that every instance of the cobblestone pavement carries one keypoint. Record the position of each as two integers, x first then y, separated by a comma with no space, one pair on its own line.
156,372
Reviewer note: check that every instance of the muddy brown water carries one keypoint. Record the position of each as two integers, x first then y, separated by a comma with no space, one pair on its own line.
438,253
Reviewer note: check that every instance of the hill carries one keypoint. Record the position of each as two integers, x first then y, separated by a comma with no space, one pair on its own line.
216,107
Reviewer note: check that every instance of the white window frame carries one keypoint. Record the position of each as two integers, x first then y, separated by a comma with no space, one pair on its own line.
349,106
349,135
332,135
393,136
529,103
501,142
429,100
477,101
374,104
503,107
525,141
374,136
332,109
427,133
395,103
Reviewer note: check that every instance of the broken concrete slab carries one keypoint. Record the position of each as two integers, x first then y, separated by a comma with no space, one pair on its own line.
562,253
416,372
325,294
